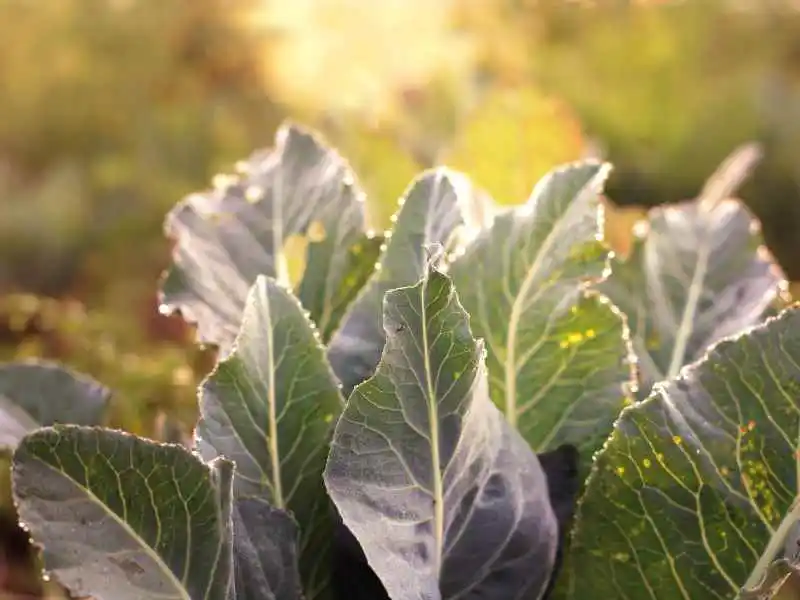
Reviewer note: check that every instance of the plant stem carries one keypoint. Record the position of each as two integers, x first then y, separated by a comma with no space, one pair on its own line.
778,539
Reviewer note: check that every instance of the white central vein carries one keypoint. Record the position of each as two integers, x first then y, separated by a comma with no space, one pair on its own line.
728,176
516,317
689,311
272,418
433,420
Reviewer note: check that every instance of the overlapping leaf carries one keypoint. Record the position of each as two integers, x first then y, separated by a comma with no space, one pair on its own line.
265,553
439,207
269,407
445,498
125,518
362,257
557,356
36,393
697,275
695,481
225,238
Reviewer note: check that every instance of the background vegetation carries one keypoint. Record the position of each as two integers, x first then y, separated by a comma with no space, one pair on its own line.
112,110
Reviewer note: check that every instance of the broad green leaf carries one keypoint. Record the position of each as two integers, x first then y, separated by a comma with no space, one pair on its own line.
444,497
270,407
362,257
558,357
697,273
688,497
265,553
125,518
439,207
34,394
226,237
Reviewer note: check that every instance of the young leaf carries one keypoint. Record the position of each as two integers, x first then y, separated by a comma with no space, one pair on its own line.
225,238
439,207
265,553
688,497
362,257
697,274
557,356
125,518
34,394
443,495
269,406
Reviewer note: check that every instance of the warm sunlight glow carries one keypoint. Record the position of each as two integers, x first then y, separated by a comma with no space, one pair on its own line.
355,53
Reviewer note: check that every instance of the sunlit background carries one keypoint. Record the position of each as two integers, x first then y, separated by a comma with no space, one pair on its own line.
112,110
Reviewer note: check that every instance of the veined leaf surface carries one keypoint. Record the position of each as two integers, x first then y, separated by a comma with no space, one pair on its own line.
125,518
270,407
697,273
445,498
360,263
689,496
697,276
558,358
33,394
439,207
225,238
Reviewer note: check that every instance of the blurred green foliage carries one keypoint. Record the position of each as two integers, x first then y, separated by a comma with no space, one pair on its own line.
115,109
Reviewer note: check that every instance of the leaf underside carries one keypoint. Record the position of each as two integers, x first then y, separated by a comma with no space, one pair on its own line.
696,479
226,237
558,357
445,498
696,277
34,394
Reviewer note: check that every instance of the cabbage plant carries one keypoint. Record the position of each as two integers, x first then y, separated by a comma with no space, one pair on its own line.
480,403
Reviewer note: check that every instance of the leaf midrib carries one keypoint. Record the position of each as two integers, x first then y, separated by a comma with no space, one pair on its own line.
184,593
433,419
684,332
272,417
510,366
